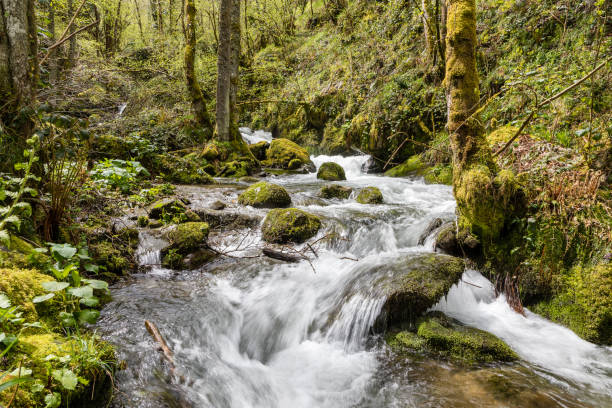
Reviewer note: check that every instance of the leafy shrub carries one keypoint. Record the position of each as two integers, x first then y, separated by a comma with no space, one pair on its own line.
118,174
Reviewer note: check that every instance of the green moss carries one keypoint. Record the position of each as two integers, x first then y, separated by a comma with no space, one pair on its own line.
265,195
584,304
290,225
405,340
172,259
113,259
462,343
370,195
181,170
501,135
335,191
167,207
21,286
187,237
143,221
439,174
334,142
235,169
282,151
259,150
331,171
414,166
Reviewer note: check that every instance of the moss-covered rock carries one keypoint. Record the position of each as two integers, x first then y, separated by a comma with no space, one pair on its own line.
413,284
414,166
436,333
335,191
116,259
584,304
331,171
283,151
265,195
181,170
21,286
334,141
167,206
188,237
259,150
370,195
289,225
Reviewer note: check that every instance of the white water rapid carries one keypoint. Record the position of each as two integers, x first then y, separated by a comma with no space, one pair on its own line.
256,333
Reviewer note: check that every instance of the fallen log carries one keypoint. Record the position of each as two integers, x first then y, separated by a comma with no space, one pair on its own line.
281,256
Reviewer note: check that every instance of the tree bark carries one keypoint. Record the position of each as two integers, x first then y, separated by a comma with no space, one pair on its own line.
53,68
195,92
72,44
235,63
222,131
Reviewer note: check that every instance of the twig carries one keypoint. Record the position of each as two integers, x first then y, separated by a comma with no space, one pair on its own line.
154,332
350,259
68,27
57,44
549,100
472,284
270,253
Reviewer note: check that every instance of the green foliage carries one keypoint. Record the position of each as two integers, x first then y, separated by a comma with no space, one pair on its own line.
119,174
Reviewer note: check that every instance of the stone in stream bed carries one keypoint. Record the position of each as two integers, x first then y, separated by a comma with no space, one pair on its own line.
335,191
187,245
170,206
331,171
287,155
437,333
370,195
411,285
289,225
265,195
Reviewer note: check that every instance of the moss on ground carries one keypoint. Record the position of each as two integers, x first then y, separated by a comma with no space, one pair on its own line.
265,195
331,171
289,225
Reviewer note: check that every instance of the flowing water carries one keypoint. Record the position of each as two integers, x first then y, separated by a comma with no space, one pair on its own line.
259,333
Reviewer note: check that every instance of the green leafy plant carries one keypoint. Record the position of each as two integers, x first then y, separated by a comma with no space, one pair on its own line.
15,189
118,174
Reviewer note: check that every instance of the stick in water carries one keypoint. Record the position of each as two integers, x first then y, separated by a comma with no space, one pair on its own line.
154,332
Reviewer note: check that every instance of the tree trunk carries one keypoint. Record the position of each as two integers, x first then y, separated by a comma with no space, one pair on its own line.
480,210
72,43
224,69
53,68
138,16
18,48
235,63
195,92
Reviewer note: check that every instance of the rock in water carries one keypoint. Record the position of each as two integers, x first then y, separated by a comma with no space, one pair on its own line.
372,166
187,248
265,195
446,337
413,284
370,195
289,225
335,191
287,155
170,206
331,171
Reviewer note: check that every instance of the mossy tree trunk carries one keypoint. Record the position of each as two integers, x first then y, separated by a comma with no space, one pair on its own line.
474,183
224,69
198,102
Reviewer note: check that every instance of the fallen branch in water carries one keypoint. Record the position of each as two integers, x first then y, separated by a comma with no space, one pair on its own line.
281,256
154,332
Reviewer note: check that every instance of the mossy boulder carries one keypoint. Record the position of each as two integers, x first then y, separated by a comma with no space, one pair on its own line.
283,151
335,191
440,174
265,195
116,258
584,303
166,206
331,171
334,141
413,284
289,225
370,195
239,168
414,166
181,170
436,333
188,237
21,286
259,150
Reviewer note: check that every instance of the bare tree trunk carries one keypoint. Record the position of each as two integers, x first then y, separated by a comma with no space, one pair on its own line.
235,64
142,37
195,92
72,43
224,68
53,69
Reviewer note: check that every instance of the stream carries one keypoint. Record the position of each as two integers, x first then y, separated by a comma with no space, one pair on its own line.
254,332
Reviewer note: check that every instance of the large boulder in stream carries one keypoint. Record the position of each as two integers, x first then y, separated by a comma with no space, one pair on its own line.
265,195
438,334
187,247
289,225
413,284
335,191
287,155
370,195
331,171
